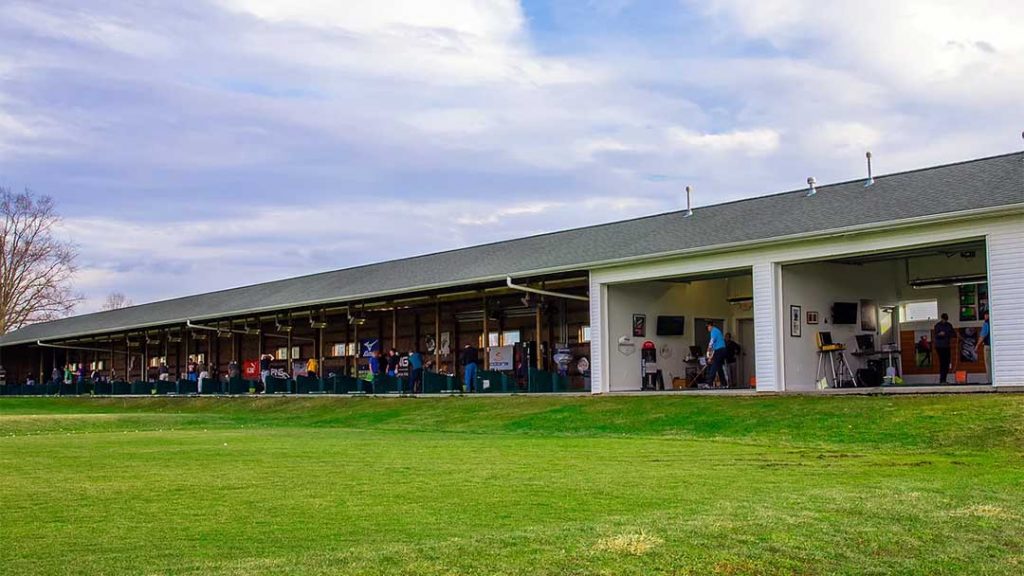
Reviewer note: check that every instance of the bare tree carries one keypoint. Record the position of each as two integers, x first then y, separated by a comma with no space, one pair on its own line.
35,266
116,300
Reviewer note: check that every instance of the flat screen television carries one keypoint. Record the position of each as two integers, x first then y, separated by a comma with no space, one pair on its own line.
671,325
844,312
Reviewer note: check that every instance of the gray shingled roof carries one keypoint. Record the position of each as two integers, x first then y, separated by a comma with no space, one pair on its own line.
986,183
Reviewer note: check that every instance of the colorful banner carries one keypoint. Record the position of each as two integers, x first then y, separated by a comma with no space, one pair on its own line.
368,347
500,358
251,369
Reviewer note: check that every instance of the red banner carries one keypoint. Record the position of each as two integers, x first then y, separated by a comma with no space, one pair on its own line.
251,369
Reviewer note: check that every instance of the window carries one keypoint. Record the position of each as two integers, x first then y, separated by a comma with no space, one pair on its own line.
282,353
156,361
341,349
920,311
584,334
98,365
509,337
494,339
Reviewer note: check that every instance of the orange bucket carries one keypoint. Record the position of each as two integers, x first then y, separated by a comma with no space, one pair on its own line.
961,376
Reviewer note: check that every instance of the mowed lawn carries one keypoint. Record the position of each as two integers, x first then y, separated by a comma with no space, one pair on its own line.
515,485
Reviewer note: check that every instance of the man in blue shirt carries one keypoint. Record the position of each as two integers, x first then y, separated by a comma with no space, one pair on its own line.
716,355
986,340
416,371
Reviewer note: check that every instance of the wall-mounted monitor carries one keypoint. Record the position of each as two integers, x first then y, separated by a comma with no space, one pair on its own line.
844,312
671,325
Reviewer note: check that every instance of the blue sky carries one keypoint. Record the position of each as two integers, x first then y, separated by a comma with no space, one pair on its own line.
225,142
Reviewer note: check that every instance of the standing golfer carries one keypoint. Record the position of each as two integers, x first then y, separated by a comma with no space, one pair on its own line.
716,355
944,334
469,362
985,340
416,371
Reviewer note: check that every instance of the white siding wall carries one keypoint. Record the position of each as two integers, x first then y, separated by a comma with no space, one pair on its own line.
1006,275
767,303
1006,302
598,368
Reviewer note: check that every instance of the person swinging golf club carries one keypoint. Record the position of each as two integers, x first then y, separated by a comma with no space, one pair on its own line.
716,355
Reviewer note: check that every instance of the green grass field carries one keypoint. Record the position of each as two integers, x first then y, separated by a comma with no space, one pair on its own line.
627,485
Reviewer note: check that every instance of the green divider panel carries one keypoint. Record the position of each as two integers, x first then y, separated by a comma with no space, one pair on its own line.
277,385
434,383
121,388
238,386
83,387
344,384
385,384
212,386
166,387
188,387
542,381
102,389
496,382
306,384
142,388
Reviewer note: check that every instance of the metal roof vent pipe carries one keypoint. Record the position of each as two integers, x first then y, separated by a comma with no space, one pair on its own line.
811,183
689,202
871,179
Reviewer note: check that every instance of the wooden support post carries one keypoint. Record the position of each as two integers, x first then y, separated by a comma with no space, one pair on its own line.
288,353
487,337
416,336
322,352
537,339
348,344
394,327
358,350
437,335
217,355
145,357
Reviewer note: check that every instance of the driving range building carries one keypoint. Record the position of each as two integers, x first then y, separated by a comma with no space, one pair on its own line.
854,272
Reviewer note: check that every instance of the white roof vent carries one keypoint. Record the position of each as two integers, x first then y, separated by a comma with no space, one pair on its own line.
871,179
811,186
689,202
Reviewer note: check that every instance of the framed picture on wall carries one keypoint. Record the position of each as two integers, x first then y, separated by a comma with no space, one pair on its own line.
812,316
639,325
795,321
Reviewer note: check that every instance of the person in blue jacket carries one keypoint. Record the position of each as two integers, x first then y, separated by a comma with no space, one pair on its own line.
416,371
985,339
716,356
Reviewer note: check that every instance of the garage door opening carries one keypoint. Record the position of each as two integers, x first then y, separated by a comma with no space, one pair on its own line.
658,337
877,319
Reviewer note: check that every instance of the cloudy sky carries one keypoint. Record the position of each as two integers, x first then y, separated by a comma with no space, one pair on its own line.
225,142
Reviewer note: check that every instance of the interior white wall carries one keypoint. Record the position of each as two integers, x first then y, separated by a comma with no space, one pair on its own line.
699,299
814,287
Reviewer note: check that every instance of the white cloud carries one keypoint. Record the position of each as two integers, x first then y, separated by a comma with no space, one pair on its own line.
492,18
840,139
196,255
967,52
494,212
276,123
80,26
756,141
